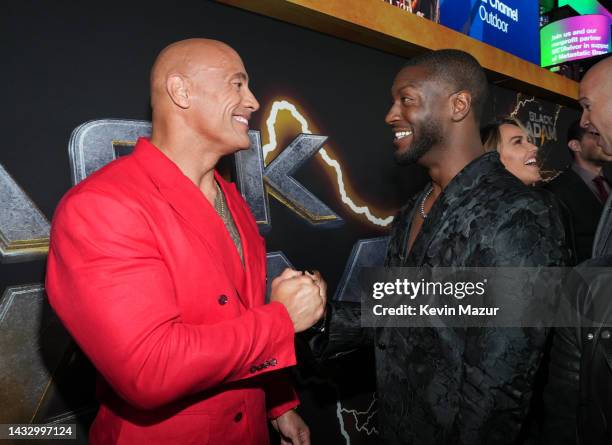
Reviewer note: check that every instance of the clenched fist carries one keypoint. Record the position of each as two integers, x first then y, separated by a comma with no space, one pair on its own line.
303,294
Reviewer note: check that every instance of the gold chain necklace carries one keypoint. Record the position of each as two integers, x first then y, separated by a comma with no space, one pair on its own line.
228,221
219,202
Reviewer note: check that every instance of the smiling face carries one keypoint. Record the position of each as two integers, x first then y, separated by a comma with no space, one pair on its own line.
518,154
596,101
221,103
588,150
414,116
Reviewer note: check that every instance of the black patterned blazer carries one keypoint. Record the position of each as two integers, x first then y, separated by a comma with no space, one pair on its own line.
455,385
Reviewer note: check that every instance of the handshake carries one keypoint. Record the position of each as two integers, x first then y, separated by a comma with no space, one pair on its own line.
303,294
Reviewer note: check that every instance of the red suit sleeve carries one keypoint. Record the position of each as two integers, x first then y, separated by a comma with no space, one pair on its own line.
280,394
112,290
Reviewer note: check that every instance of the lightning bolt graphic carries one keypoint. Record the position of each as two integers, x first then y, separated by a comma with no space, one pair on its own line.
360,426
370,412
547,175
520,104
557,115
272,145
552,174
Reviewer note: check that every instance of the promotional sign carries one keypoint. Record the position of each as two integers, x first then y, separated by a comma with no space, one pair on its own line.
430,9
585,7
574,38
510,25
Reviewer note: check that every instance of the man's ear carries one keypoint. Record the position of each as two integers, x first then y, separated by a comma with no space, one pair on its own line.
177,88
574,145
461,103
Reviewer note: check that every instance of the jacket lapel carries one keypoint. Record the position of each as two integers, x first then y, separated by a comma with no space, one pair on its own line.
189,202
456,192
602,244
253,248
582,191
429,228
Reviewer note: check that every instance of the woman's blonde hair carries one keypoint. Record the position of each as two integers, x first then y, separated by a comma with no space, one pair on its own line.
490,135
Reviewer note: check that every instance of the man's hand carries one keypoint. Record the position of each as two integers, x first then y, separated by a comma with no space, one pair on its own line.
292,429
303,295
319,281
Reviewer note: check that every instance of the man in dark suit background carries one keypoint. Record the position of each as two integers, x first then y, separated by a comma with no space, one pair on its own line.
583,187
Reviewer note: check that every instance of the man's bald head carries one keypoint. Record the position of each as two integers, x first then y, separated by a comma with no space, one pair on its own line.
596,101
200,94
186,58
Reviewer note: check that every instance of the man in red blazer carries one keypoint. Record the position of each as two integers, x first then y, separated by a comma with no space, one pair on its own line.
158,271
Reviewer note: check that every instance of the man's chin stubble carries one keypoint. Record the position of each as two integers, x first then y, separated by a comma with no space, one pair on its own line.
411,155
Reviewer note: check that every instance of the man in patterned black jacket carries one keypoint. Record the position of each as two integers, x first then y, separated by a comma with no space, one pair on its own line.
449,385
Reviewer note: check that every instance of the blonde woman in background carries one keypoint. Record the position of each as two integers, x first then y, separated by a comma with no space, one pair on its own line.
509,137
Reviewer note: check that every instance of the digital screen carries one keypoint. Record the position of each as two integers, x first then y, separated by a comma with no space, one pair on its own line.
584,7
510,25
574,38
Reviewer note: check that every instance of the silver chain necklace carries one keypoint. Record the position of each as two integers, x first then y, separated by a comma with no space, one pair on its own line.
422,206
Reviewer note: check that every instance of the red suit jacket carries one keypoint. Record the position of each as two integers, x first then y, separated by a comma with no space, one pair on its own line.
144,275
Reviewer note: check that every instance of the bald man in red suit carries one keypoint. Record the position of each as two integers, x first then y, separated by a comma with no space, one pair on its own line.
157,269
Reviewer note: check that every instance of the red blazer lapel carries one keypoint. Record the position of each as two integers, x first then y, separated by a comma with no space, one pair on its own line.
190,203
253,245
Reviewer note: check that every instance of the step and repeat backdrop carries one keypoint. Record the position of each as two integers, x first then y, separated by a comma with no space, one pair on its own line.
77,78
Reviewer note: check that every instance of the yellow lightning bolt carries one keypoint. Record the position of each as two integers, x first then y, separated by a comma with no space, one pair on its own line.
520,104
557,115
272,145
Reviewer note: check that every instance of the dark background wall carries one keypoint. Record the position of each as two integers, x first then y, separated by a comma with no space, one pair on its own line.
68,62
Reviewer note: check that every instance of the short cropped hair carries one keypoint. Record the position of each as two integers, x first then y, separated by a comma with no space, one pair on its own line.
459,70
575,132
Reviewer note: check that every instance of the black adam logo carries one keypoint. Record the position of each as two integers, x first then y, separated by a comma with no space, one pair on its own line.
542,127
